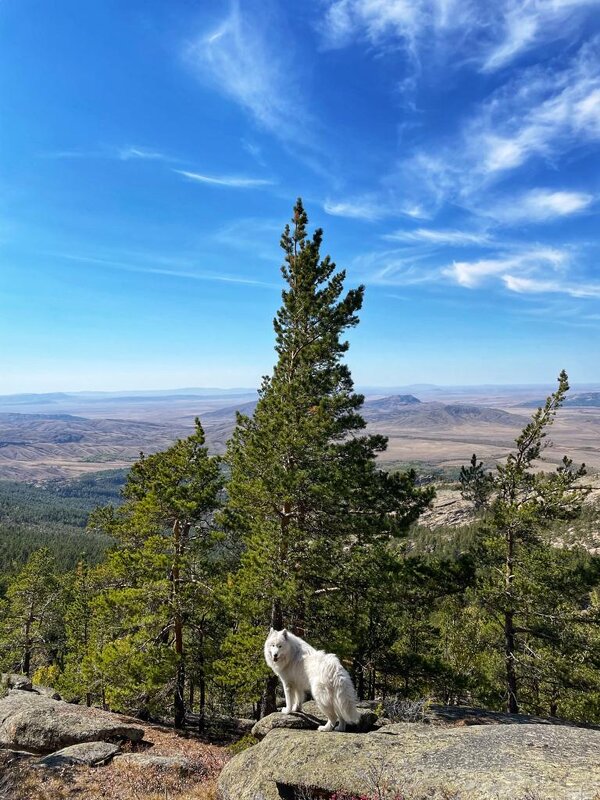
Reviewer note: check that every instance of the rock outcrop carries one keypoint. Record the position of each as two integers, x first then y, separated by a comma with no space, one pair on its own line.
310,718
504,762
89,754
30,721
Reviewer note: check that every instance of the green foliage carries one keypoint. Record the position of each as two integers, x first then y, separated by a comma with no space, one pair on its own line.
54,516
30,621
155,605
532,598
476,484
305,494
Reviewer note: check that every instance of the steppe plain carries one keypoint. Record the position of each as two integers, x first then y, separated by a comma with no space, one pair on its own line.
66,435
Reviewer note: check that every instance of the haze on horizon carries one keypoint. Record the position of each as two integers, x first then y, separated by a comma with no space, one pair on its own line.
150,154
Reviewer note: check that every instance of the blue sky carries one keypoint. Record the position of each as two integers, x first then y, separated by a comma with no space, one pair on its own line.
150,154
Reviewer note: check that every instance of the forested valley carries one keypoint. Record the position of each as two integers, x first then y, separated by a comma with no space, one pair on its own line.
151,592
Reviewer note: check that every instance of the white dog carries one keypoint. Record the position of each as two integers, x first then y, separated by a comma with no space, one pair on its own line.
301,668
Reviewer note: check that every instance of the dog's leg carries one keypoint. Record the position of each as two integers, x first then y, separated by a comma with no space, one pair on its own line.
341,726
298,698
289,698
329,726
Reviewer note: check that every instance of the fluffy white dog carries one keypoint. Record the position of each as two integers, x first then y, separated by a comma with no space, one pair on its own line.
303,669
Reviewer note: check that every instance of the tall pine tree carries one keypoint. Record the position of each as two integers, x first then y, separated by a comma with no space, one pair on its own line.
305,493
160,576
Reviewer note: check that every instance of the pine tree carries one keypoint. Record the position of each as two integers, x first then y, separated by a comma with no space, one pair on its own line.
476,484
515,583
305,493
159,575
30,629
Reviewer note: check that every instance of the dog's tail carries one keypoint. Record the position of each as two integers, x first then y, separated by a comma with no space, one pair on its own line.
344,700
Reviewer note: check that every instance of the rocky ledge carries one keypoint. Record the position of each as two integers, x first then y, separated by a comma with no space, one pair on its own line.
411,760
32,721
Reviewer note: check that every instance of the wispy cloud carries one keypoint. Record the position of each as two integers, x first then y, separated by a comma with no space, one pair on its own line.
258,236
394,268
232,181
540,205
538,114
438,237
187,272
535,286
449,26
526,24
355,209
527,265
246,62
143,153
123,153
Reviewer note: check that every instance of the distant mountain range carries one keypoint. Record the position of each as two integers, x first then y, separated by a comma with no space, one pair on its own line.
404,410
66,438
583,400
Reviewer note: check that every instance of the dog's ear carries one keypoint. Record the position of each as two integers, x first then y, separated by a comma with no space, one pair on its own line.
271,630
284,631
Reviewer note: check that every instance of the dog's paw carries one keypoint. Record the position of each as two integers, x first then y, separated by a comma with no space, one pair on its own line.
327,727
286,710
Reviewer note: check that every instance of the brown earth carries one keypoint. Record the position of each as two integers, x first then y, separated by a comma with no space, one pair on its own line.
41,443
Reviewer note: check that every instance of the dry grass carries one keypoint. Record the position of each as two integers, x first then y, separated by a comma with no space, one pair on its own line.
115,781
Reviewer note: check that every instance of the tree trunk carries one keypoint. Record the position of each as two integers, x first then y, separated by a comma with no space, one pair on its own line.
512,704
26,657
268,703
178,698
180,531
268,700
202,717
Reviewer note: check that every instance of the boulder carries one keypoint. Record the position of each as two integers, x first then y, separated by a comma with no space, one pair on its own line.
14,680
47,691
504,762
366,715
33,722
310,718
297,720
88,753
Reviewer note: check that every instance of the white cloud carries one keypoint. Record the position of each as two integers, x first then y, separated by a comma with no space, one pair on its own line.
526,24
539,114
534,286
438,237
539,205
232,181
382,20
252,66
151,266
494,36
472,274
127,153
394,268
355,209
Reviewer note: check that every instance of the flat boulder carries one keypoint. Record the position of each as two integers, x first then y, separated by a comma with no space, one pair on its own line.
14,680
33,722
480,762
297,720
367,718
47,691
88,753
310,718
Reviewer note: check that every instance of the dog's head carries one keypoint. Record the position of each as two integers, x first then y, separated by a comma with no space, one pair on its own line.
277,646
